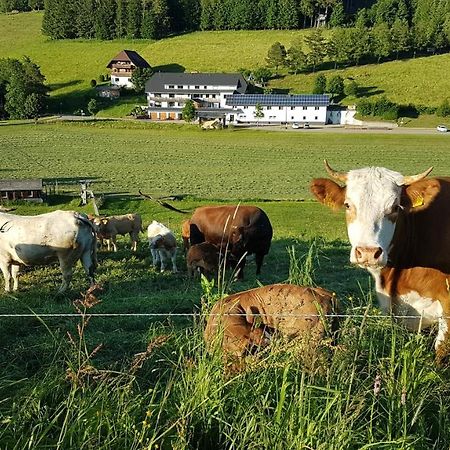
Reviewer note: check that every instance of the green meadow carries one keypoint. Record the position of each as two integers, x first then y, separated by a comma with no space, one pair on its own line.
69,65
147,382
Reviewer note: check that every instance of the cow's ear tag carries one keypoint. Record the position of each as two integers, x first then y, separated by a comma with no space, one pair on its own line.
418,201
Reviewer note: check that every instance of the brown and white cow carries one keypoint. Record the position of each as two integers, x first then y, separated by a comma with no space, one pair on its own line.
109,227
238,229
163,245
245,321
64,236
399,229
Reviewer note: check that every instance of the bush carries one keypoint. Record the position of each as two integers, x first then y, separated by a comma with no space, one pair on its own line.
351,89
93,83
320,84
381,107
443,109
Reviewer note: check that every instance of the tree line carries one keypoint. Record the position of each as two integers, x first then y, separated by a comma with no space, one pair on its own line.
21,5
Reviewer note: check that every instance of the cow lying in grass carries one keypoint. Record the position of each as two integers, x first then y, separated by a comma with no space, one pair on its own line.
244,322
109,227
163,245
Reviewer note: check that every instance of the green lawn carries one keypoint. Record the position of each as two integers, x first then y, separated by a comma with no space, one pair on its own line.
69,65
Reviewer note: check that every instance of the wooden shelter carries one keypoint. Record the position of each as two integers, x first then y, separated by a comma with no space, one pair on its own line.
29,190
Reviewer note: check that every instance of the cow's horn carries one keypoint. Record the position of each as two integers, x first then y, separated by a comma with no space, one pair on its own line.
413,178
340,176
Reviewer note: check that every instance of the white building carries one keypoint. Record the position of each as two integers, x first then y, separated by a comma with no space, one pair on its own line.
278,108
167,93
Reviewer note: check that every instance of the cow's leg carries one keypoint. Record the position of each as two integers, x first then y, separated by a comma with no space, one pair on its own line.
6,270
155,257
174,263
442,344
114,243
162,258
67,272
134,240
89,266
15,268
259,257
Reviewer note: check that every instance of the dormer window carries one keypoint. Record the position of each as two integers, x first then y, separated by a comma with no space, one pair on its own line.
180,87
197,87
171,86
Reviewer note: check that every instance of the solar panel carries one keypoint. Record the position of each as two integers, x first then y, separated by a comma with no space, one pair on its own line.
277,100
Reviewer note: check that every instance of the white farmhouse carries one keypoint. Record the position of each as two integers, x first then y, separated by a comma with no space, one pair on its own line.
278,108
123,65
168,92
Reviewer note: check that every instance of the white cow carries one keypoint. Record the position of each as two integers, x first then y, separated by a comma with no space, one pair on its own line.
163,245
63,236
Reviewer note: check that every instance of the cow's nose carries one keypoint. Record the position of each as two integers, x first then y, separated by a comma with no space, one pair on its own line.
368,256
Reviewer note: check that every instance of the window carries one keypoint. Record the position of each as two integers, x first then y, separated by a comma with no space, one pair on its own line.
205,87
116,80
180,87
197,87
269,107
214,96
171,104
280,107
207,95
292,108
292,117
171,86
316,108
316,118
171,95
305,107
304,117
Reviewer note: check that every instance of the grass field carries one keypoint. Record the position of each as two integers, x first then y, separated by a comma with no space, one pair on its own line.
69,65
239,164
59,390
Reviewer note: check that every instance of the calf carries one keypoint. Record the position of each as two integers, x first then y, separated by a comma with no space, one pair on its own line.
163,245
204,258
109,227
245,317
421,293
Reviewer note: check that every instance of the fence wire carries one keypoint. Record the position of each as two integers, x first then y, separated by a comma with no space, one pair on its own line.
200,314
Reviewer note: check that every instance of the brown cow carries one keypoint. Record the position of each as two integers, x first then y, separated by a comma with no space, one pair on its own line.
110,227
244,318
207,259
239,229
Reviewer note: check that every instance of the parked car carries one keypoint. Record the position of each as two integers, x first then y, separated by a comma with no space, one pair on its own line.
306,125
295,125
442,128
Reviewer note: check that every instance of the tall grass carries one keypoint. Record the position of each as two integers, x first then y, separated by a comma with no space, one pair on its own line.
377,388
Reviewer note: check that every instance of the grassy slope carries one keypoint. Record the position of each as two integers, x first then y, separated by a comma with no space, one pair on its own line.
70,65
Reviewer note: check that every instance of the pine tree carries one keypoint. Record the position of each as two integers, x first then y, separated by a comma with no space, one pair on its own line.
381,40
85,19
105,12
121,19
317,47
296,58
188,112
320,84
133,15
259,113
276,56
287,15
337,17
140,77
400,36
335,86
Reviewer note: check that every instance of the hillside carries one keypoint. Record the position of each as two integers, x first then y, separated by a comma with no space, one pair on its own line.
70,65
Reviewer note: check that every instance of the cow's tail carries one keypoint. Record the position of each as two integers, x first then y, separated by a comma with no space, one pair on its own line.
93,231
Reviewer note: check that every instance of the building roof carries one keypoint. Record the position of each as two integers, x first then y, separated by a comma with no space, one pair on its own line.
129,56
159,79
21,185
277,100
